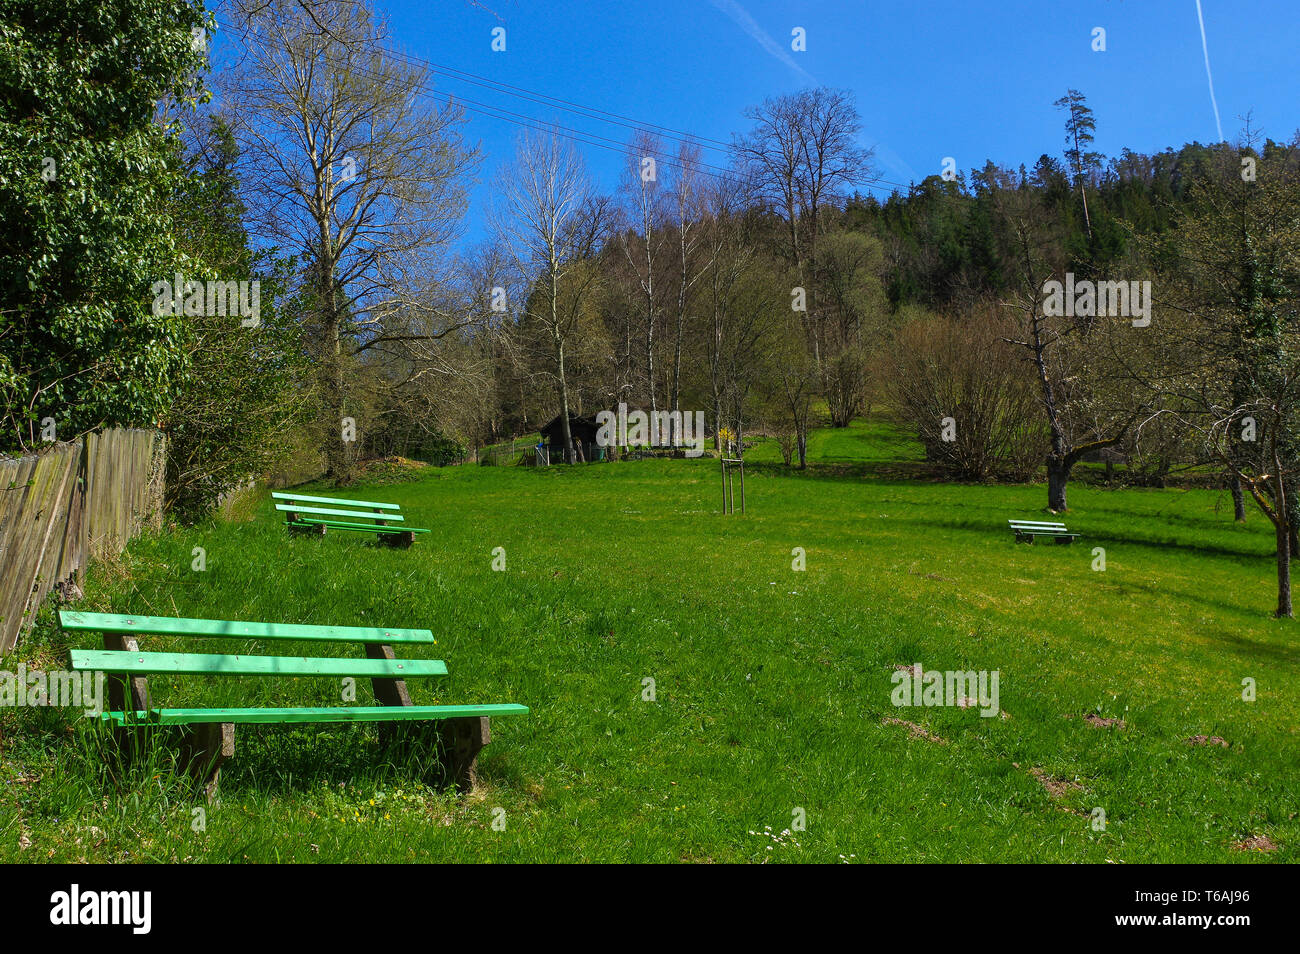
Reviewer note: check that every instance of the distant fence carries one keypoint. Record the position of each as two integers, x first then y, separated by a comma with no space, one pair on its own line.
70,504
505,455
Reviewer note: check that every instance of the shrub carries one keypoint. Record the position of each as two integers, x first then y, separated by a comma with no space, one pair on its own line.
960,368
441,450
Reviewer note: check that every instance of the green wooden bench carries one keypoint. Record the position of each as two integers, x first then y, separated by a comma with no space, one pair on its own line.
1027,530
303,514
208,735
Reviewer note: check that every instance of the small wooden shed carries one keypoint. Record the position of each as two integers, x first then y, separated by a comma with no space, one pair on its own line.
582,429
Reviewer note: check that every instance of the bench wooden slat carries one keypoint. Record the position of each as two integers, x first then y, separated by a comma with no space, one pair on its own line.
177,626
337,500
326,511
212,664
328,714
344,525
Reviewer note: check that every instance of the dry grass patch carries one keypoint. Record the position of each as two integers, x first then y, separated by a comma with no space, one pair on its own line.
916,731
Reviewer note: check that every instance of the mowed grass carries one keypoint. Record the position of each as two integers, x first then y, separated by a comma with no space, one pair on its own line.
771,686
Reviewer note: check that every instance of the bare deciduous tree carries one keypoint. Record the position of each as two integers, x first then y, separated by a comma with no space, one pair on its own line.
349,163
643,240
1066,356
688,202
551,221
1227,366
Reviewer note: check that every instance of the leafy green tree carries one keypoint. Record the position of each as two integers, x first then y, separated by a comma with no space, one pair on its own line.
88,168
247,384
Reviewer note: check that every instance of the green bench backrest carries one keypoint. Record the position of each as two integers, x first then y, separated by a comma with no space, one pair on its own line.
214,664
338,501
176,626
331,512
135,662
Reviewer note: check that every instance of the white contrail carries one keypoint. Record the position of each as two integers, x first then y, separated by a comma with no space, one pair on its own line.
1218,125
747,23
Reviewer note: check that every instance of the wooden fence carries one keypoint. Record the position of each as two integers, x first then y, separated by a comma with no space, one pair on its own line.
67,505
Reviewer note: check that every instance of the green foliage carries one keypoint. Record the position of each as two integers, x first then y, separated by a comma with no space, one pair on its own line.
953,248
441,450
244,388
86,181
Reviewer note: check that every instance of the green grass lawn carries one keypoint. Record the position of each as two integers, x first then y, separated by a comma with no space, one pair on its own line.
772,686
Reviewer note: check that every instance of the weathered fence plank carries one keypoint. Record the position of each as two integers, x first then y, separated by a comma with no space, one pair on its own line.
67,505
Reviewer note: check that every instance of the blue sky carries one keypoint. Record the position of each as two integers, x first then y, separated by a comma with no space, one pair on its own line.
933,78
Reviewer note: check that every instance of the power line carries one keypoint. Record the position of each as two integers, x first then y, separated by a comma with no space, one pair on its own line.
577,135
545,99
589,112
584,137
621,146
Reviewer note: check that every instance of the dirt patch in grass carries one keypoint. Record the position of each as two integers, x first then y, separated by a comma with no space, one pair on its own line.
1207,740
916,731
931,576
1101,722
914,670
1056,786
1256,843
966,702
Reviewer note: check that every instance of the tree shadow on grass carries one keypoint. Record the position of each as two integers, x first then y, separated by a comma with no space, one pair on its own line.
911,473
896,471
1250,648
1088,540
1256,650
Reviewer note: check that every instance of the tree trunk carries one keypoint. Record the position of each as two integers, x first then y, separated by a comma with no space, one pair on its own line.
1292,517
650,366
569,456
1058,474
337,456
1238,500
1283,571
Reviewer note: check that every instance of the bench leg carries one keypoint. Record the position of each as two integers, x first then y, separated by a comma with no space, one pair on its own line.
459,743
204,747
388,692
401,541
126,694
